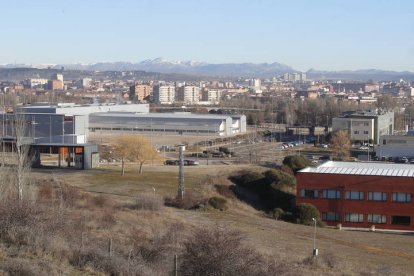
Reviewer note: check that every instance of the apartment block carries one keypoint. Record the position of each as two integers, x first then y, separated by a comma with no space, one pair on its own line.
188,94
140,92
164,94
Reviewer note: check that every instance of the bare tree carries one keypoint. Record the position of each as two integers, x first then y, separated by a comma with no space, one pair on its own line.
134,148
22,158
341,144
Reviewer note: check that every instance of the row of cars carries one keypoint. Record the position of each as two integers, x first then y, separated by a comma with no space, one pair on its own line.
177,162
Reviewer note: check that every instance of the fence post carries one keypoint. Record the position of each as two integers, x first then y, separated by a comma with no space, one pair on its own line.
175,265
110,248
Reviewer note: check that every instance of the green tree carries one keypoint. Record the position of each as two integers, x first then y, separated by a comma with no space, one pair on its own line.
305,212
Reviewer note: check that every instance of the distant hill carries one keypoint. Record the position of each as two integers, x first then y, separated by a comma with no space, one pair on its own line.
192,70
189,67
361,75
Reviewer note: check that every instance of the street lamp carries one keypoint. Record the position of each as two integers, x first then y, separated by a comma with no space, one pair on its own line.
315,250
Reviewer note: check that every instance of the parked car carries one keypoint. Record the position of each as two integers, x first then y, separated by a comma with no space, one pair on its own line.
363,147
172,162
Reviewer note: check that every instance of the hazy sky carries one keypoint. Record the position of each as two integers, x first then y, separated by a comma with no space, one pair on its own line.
326,35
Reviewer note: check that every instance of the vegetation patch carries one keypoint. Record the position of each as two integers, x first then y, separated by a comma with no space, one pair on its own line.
218,203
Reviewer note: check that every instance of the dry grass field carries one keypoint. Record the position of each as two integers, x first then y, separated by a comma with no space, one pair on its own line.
102,207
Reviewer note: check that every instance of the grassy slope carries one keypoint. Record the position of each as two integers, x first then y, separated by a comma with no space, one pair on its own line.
351,252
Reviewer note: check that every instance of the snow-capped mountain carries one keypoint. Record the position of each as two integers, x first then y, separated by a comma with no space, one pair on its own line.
187,67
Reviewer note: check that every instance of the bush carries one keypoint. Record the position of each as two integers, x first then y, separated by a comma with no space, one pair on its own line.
218,203
225,190
304,213
190,201
23,267
297,162
148,202
280,179
278,213
221,252
246,178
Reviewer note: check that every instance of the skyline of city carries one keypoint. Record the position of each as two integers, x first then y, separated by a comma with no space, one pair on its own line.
344,35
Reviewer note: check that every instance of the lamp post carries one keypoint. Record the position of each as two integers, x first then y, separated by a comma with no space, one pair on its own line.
315,250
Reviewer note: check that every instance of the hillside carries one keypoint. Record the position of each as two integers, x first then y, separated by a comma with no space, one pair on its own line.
78,213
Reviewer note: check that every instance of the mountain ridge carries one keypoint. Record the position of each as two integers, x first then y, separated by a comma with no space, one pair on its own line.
199,68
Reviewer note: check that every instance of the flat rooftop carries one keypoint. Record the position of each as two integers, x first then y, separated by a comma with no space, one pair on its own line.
362,168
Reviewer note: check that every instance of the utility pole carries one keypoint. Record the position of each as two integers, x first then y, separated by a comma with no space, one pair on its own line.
181,173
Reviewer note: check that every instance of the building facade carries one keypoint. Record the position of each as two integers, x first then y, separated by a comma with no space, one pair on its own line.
188,94
360,194
164,94
175,123
366,125
212,96
396,146
139,92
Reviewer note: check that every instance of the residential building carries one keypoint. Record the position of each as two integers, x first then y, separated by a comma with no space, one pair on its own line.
164,94
85,83
55,85
362,195
35,83
188,94
139,92
364,126
212,96
57,77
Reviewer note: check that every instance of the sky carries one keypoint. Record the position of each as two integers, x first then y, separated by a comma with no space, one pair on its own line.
304,34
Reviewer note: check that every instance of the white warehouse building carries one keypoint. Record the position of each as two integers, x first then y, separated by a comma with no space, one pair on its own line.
181,123
69,123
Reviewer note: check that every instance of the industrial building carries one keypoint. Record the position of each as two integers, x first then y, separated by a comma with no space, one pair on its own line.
181,123
396,146
362,195
70,123
62,130
364,126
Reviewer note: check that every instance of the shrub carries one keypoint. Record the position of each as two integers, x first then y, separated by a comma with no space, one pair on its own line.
45,193
102,201
278,213
215,251
225,190
67,194
22,267
246,178
280,178
304,213
148,202
191,200
218,203
297,162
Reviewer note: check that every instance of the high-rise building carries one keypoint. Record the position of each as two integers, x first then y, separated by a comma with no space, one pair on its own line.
139,92
57,77
55,85
85,82
188,94
164,94
212,96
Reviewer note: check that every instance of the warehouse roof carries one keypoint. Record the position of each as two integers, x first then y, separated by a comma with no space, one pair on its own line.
362,168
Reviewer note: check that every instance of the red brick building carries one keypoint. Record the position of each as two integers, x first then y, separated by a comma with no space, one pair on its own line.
360,194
